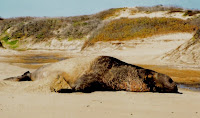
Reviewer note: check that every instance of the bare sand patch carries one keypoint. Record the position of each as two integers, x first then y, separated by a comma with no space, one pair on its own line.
128,13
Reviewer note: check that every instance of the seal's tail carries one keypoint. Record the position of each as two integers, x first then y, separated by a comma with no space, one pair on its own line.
25,77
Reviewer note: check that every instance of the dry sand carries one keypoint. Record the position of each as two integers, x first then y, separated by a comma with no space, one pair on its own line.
33,99
132,13
100,104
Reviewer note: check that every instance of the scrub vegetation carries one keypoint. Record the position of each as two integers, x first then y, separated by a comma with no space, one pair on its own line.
170,9
109,13
127,29
44,28
159,8
99,27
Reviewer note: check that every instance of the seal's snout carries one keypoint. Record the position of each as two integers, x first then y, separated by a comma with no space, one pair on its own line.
173,86
168,85
176,89
173,90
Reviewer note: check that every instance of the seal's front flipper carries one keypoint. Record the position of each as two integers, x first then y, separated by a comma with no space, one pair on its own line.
25,77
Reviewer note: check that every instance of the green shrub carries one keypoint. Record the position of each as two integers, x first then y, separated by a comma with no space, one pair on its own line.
12,42
5,39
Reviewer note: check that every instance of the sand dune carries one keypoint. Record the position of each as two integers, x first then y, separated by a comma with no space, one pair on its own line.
129,13
188,53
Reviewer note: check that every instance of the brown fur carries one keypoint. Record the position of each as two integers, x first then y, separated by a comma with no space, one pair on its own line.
109,73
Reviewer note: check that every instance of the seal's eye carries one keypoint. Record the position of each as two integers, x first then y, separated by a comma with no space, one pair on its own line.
170,80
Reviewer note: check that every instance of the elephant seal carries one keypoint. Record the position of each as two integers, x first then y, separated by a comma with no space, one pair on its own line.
102,73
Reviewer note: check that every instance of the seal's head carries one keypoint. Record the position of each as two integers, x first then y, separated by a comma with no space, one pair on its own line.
164,83
157,82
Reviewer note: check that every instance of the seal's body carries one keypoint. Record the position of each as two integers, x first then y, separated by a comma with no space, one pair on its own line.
101,73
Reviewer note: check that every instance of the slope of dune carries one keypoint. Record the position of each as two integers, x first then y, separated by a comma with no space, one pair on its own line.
133,13
187,53
70,33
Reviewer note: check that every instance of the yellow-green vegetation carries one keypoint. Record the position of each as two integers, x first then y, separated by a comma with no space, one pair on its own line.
10,43
133,11
79,27
126,29
109,13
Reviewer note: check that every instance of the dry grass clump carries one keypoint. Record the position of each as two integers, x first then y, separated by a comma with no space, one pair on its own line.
126,29
108,13
170,9
159,8
197,34
133,11
175,11
37,28
80,28
195,21
10,22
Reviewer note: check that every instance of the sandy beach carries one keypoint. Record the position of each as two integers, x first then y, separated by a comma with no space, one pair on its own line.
100,104
33,99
